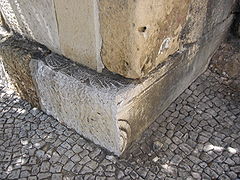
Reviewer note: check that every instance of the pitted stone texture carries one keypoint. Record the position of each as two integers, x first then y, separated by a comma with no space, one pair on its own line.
147,32
138,35
80,98
33,145
34,19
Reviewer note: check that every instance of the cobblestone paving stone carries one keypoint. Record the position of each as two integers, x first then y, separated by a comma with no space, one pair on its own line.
197,137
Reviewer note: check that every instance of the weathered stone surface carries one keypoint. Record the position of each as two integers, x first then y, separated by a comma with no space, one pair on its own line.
20,136
138,35
141,103
113,111
16,54
147,32
79,31
110,110
203,16
80,98
34,19
130,38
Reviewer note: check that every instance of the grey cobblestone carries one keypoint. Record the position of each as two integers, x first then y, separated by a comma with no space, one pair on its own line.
197,137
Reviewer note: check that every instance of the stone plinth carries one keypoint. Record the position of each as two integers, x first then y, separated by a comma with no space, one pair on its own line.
16,54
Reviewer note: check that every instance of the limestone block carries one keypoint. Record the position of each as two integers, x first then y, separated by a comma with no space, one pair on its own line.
218,11
15,55
81,98
203,16
144,102
113,111
34,19
79,31
130,38
139,35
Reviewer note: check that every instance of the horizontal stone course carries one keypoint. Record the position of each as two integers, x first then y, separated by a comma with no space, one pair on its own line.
130,38
23,130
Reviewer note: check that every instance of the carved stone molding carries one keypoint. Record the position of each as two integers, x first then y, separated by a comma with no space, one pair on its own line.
125,133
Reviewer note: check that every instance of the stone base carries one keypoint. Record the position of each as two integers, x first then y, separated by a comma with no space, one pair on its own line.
109,110
114,112
16,54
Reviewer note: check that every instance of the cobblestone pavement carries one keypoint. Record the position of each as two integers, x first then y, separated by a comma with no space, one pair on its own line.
197,137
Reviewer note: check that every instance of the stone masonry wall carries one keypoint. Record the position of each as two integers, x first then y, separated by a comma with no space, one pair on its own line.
130,38
107,108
